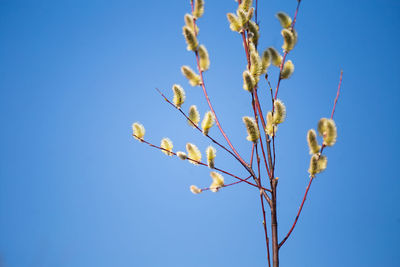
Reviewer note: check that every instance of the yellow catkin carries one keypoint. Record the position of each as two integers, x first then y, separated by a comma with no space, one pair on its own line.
217,183
265,60
288,69
193,78
190,23
254,33
194,116
204,58
288,40
250,13
181,155
211,153
167,145
322,163
193,153
245,5
179,95
207,123
198,8
276,58
195,190
190,37
313,169
327,129
138,130
284,19
279,112
256,67
270,128
312,142
234,22
248,81
252,129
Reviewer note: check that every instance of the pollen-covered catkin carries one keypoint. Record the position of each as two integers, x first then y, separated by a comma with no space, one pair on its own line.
218,181
248,81
276,58
195,190
279,112
284,19
270,128
245,5
255,62
190,37
198,8
179,95
313,169
167,146
312,142
138,130
190,23
265,61
242,17
211,153
252,129
254,30
288,40
208,122
234,22
181,155
204,58
322,163
288,69
327,129
193,78
194,116
194,153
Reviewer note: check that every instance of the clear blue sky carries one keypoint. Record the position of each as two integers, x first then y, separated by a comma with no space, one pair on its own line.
77,190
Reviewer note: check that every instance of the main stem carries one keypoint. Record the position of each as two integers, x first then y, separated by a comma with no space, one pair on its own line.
274,225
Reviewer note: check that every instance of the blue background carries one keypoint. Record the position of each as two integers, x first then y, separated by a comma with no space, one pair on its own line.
77,190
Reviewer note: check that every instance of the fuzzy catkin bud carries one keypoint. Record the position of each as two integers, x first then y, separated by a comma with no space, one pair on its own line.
327,129
190,38
194,116
288,69
211,154
288,40
284,19
250,13
204,58
181,155
270,128
190,23
234,22
138,130
312,142
265,61
279,112
179,95
322,163
198,8
195,190
218,181
252,129
167,145
248,81
255,60
254,30
193,78
207,123
245,5
312,170
242,17
276,58
194,153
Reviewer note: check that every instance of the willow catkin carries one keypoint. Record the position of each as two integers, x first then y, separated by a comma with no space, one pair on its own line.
138,130
276,58
248,81
190,37
245,5
288,40
254,31
181,155
218,181
252,130
204,58
194,153
312,142
312,170
194,116
198,8
279,112
189,21
327,129
179,95
193,78
207,123
284,19
211,153
270,128
234,23
167,146
255,62
195,190
265,60
287,70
